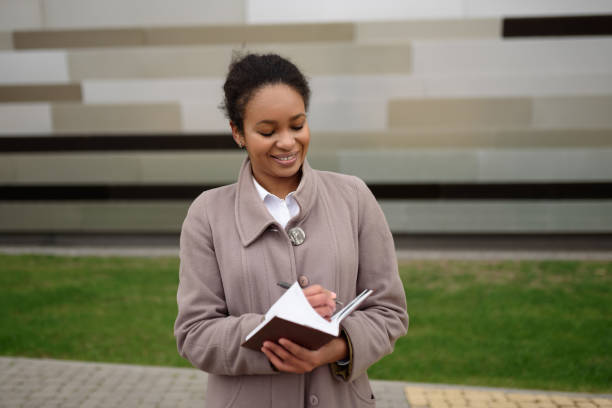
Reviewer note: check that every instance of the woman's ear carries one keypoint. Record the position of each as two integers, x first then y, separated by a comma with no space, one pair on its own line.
238,137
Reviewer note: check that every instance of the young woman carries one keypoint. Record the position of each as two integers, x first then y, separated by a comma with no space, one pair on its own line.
284,221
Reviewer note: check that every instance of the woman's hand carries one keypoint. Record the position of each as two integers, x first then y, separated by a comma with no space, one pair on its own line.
292,358
322,300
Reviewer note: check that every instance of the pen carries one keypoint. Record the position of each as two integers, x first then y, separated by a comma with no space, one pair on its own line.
286,285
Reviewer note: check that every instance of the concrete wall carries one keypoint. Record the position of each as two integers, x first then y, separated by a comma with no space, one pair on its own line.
405,95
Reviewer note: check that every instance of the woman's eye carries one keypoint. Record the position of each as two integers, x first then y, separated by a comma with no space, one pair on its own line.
266,133
297,127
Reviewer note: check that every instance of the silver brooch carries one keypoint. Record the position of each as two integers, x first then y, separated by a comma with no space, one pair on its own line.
297,236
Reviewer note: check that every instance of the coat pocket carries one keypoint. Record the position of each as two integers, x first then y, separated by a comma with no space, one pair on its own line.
362,390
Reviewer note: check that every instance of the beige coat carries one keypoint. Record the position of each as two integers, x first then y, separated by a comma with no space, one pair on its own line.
232,254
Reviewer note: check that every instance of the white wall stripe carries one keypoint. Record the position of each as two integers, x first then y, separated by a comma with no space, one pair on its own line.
513,57
33,67
283,11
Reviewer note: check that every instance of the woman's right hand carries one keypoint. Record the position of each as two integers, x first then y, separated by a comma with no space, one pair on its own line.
322,300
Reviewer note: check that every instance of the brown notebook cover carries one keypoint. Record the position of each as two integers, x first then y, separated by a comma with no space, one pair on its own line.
278,328
292,317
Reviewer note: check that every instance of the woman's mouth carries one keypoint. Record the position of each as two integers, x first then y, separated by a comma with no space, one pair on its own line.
285,159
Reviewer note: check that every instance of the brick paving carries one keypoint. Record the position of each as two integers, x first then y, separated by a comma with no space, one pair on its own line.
30,383
435,396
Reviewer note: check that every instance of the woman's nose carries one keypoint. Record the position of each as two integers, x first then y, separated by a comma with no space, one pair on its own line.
286,140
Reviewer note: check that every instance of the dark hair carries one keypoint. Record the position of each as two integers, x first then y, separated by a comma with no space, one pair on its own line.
249,73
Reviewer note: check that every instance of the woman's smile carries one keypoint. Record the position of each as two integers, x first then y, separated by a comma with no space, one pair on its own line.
285,159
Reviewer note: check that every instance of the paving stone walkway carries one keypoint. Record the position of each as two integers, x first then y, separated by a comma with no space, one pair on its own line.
33,383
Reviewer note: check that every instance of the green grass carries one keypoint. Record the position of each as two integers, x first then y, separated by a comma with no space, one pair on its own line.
97,309
545,325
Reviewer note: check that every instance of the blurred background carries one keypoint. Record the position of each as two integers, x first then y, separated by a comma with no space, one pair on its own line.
476,123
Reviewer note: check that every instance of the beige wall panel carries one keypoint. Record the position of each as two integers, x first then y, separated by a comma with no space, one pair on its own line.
149,63
403,216
566,56
516,85
69,118
460,112
201,90
313,59
120,168
555,164
478,165
347,116
583,216
204,117
204,168
375,166
6,40
40,93
18,14
402,166
25,118
33,67
326,59
401,31
559,138
75,168
121,13
324,160
134,216
240,34
451,138
78,38
585,111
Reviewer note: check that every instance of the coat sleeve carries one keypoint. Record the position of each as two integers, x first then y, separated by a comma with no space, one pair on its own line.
382,318
206,334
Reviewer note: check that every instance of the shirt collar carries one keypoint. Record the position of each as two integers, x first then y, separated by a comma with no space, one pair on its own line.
263,193
252,216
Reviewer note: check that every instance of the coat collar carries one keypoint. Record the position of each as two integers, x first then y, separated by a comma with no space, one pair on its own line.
252,216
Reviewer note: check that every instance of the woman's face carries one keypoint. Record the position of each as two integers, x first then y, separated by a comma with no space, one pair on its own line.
276,136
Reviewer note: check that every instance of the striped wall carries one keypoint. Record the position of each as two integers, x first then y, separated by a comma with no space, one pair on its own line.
464,117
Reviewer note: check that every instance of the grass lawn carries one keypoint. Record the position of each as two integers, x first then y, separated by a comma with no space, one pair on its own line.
544,325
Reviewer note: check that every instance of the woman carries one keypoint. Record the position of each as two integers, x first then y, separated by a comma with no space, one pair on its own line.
283,221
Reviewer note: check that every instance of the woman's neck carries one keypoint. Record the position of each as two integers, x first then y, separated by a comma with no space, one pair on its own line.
280,187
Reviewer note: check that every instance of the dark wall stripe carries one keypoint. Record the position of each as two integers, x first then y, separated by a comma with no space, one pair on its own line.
493,191
142,142
501,191
557,26
506,241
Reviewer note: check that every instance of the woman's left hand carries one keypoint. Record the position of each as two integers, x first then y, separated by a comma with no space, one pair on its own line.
292,358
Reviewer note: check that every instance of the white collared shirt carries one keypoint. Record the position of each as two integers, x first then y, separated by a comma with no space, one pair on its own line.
281,210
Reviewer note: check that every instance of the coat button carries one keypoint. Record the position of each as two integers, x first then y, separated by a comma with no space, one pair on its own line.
314,400
303,281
